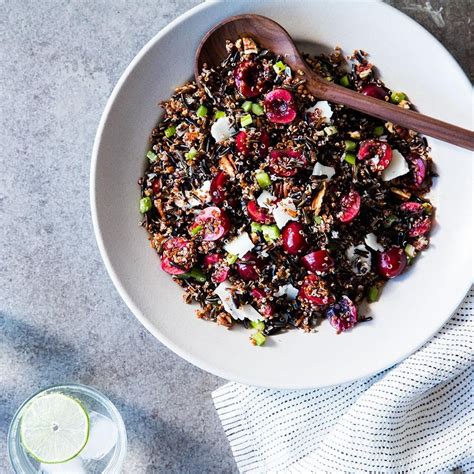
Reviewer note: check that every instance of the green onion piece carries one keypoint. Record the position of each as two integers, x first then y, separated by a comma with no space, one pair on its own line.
231,258
263,179
379,131
145,204
344,81
258,338
201,111
198,275
255,227
270,232
257,109
247,106
151,155
373,294
219,114
258,325
397,97
170,131
332,130
410,250
350,158
328,78
246,120
349,145
318,220
389,220
196,230
191,154
279,67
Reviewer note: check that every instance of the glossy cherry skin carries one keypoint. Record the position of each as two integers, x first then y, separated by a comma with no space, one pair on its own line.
214,262
293,238
218,188
249,78
214,222
249,267
342,315
156,186
373,90
243,138
391,263
349,206
319,262
377,153
280,106
259,214
419,168
287,163
314,291
178,256
267,308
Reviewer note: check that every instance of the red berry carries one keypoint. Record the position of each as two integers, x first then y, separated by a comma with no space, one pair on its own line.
372,90
319,261
378,154
215,262
287,162
218,190
156,186
214,223
265,308
280,106
314,290
293,238
342,315
249,78
420,227
259,214
249,267
349,206
418,166
244,139
391,263
178,256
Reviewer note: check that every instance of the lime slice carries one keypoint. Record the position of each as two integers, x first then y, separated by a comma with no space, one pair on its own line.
54,428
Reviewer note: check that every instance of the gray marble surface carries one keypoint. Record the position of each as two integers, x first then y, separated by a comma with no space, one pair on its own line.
60,316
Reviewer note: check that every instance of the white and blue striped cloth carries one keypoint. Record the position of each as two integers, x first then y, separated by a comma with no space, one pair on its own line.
415,417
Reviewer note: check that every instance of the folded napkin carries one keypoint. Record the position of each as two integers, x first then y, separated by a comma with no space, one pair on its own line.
415,417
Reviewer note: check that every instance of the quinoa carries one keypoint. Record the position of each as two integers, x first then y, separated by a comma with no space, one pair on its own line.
253,127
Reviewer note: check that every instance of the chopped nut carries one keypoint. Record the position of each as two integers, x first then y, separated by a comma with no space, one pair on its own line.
249,46
318,200
227,164
403,194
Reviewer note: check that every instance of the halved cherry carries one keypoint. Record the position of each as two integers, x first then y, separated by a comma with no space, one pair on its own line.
211,223
314,291
259,214
178,256
319,261
280,106
243,141
249,78
287,162
266,308
418,166
156,186
420,227
349,206
419,224
412,207
218,190
342,315
373,90
293,238
216,263
249,267
392,262
377,153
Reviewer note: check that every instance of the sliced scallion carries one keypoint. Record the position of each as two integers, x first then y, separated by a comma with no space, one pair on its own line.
379,131
255,227
270,232
279,67
151,155
258,339
373,294
246,120
258,325
191,154
318,220
196,230
350,145
344,81
397,97
247,106
410,250
170,131
263,179
350,158
231,258
257,109
145,204
201,111
219,114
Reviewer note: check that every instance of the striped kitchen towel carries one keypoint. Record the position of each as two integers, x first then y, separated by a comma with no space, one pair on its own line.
415,417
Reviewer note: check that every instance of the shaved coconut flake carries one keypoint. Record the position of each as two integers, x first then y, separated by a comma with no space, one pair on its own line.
289,290
285,211
360,263
397,167
222,129
240,245
371,241
324,107
266,199
320,170
245,311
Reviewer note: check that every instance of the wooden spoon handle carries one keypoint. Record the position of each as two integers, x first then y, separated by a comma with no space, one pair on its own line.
390,112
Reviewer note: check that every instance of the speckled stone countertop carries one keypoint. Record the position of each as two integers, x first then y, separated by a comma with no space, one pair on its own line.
60,316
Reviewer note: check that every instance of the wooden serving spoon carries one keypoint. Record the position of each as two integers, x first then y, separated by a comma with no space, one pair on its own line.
270,35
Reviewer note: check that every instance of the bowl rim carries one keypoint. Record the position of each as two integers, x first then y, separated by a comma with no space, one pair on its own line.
143,319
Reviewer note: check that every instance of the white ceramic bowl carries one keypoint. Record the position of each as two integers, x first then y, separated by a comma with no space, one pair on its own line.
412,308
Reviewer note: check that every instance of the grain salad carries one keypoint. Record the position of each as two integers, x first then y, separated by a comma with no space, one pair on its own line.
274,210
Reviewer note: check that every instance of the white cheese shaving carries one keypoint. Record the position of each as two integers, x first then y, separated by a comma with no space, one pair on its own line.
324,107
285,211
372,242
397,167
266,199
320,170
245,311
289,290
198,196
222,129
240,245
